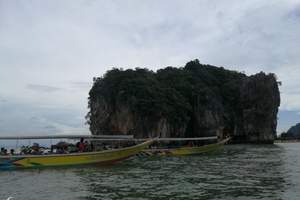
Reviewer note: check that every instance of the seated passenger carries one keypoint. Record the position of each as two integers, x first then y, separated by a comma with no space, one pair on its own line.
81,145
12,152
35,148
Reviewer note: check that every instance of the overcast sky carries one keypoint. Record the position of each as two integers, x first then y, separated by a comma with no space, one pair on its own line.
51,50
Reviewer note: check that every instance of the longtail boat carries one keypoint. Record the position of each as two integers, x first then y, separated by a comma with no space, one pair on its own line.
71,159
188,150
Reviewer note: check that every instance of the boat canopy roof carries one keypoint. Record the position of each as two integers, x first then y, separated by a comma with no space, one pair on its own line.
157,139
102,137
111,137
160,139
188,139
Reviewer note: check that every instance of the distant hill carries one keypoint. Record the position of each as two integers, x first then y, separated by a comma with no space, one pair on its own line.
292,133
192,101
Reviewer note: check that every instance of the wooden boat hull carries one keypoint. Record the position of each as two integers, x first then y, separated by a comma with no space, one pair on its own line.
189,150
198,150
54,160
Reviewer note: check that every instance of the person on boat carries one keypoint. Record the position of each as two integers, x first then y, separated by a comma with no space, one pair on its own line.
2,151
35,148
80,145
5,152
62,147
12,152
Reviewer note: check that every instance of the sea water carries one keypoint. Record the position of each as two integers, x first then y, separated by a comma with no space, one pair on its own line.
236,172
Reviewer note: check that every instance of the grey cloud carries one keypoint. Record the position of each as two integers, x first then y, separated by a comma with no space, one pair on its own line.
295,89
2,100
21,118
42,88
52,129
68,43
294,12
81,85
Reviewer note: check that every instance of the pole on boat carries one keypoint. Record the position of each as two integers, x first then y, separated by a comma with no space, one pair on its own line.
17,144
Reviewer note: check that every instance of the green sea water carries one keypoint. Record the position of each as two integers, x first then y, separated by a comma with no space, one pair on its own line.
236,172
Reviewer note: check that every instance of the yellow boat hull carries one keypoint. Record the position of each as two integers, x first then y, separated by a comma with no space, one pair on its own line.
188,150
198,150
53,160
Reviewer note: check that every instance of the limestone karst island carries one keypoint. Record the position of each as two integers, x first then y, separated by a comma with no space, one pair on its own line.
196,100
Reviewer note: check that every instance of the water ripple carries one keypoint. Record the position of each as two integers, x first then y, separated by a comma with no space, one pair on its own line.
237,172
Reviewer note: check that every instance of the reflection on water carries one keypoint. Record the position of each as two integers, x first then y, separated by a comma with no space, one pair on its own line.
238,172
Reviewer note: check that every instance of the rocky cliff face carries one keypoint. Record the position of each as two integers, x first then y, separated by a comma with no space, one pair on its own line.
196,100
260,100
